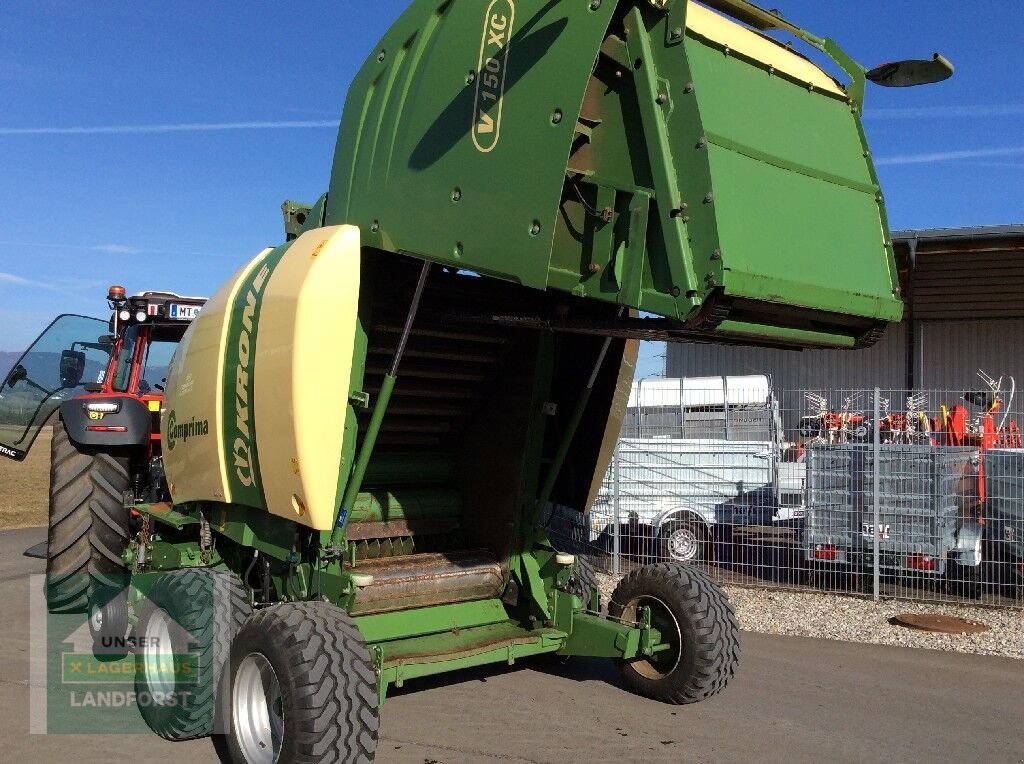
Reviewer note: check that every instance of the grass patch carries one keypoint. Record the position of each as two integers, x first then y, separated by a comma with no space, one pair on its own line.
24,486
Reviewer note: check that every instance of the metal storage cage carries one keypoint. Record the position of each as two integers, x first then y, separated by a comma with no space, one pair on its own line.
925,497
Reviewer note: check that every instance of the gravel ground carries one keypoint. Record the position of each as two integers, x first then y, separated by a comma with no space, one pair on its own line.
850,619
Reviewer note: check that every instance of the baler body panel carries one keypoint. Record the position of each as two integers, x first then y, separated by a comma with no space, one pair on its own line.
788,174
257,403
440,109
678,163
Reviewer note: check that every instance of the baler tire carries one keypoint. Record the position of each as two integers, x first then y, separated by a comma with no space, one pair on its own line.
582,582
206,609
108,537
326,681
707,654
69,523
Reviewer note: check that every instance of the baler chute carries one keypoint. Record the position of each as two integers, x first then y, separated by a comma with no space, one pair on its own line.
667,159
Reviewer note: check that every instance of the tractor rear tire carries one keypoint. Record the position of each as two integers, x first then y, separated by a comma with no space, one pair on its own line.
302,688
194,612
695,617
108,537
69,521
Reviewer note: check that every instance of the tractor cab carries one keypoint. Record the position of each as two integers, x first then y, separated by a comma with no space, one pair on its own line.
107,377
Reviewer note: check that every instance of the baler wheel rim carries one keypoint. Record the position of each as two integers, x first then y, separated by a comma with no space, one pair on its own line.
257,708
157,654
655,666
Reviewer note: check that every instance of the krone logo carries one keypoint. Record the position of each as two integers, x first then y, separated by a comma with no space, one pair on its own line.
491,68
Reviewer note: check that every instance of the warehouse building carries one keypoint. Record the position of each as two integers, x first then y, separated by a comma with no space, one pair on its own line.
964,291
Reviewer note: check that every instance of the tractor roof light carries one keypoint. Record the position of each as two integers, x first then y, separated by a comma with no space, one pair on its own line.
140,316
116,293
124,314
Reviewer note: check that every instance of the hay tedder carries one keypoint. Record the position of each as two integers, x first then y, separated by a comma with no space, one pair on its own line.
370,418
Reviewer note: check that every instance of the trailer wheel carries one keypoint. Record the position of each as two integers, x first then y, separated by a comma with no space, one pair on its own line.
69,521
302,688
963,581
684,541
184,637
108,537
694,617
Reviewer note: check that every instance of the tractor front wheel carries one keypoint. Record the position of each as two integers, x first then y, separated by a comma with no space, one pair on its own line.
698,628
302,688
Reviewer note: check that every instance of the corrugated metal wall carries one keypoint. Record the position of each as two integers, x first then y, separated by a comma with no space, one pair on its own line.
969,280
967,291
949,353
883,365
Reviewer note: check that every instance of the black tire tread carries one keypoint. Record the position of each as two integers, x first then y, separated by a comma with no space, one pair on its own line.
582,582
706,617
109,533
212,606
69,524
334,714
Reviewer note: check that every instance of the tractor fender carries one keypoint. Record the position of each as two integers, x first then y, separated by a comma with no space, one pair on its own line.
132,415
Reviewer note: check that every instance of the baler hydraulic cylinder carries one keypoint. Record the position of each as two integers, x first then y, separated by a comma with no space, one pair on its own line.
355,481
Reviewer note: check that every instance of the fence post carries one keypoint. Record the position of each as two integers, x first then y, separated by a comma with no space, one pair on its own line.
877,493
616,546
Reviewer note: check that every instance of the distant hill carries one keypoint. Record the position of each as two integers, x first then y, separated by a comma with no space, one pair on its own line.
7,360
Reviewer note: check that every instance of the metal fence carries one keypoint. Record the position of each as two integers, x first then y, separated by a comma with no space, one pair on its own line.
916,495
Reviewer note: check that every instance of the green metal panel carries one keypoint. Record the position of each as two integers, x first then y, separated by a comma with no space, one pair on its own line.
384,506
618,154
789,176
412,139
402,624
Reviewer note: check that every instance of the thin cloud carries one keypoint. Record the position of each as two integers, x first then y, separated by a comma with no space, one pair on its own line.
10,278
124,249
182,127
953,156
947,112
116,249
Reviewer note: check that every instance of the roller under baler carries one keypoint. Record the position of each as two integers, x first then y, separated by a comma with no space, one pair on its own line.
444,345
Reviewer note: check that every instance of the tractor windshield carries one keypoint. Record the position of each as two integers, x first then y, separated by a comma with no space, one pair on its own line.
163,341
152,347
71,352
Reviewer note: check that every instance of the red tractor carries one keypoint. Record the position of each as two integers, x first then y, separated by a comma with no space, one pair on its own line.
105,452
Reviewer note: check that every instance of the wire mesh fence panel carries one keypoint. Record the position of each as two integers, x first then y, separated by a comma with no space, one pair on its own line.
898,494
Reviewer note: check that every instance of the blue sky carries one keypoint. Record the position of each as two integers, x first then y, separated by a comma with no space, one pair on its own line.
237,102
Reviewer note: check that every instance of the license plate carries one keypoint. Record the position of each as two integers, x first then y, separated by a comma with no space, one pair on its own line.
883,531
182,312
